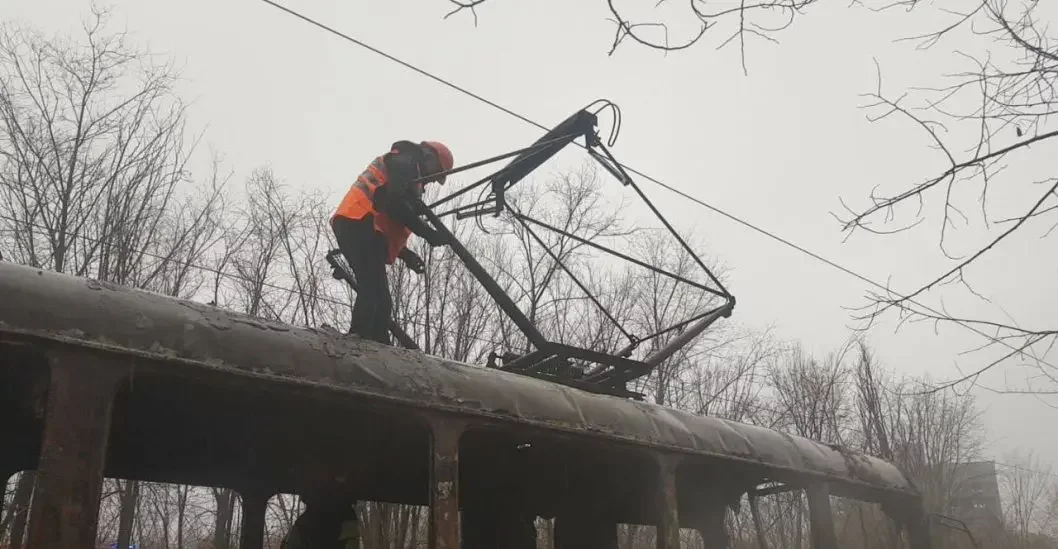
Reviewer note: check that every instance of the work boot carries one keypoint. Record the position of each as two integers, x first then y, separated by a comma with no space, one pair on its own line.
382,336
373,335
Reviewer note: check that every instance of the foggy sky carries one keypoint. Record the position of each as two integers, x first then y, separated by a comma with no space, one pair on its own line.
777,148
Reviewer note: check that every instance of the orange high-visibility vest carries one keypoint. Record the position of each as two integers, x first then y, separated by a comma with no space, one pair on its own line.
359,202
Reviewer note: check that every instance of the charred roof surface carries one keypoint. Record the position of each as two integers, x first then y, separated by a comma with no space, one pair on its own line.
41,305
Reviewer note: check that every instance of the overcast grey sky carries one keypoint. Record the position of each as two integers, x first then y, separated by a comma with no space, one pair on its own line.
777,148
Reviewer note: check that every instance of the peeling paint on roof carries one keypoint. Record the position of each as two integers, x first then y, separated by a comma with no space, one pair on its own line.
54,306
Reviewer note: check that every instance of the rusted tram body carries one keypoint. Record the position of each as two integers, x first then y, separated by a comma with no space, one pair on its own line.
99,380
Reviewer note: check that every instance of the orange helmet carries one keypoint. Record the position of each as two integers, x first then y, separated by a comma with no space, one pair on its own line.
443,154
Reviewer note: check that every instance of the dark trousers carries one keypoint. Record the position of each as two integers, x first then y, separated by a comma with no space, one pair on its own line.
365,251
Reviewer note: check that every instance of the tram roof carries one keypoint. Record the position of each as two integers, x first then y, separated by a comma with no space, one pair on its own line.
44,305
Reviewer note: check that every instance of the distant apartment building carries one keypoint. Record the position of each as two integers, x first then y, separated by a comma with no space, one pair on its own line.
975,495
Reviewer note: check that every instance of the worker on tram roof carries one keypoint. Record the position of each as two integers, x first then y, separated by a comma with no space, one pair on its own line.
374,220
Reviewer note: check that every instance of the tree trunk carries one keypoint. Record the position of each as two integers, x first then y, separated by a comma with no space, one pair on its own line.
413,535
20,507
374,527
129,497
6,509
181,514
231,528
403,520
222,528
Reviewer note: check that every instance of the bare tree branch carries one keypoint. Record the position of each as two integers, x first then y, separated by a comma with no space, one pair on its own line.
756,19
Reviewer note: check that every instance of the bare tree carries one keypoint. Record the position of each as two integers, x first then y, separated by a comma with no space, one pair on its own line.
991,117
225,522
727,380
130,490
17,511
810,400
933,433
282,511
94,177
537,265
446,310
93,148
165,515
871,405
931,436
812,394
696,19
389,526
1029,491
7,505
659,303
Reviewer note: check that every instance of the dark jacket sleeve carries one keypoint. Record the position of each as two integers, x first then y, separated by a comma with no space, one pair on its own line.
403,164
398,198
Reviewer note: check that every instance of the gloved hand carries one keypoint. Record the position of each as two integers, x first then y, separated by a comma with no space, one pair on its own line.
413,261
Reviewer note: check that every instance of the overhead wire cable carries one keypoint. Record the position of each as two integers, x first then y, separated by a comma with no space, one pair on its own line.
1023,350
